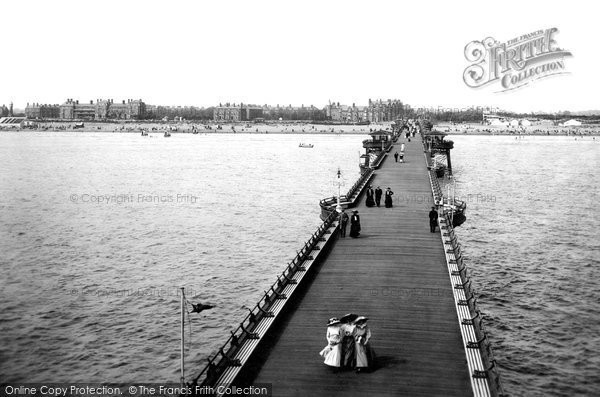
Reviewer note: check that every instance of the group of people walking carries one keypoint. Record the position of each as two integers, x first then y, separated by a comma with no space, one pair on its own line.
400,155
348,344
354,224
374,197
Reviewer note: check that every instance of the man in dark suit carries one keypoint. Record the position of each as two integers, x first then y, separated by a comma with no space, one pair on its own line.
378,193
343,223
433,216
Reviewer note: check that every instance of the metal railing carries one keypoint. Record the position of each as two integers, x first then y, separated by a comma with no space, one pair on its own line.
328,204
223,359
482,343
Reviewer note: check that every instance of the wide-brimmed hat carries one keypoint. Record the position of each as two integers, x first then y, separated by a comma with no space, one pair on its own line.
360,319
333,321
348,318
355,211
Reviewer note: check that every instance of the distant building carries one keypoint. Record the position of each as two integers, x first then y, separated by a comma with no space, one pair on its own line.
375,112
42,111
99,110
132,109
73,110
235,112
293,112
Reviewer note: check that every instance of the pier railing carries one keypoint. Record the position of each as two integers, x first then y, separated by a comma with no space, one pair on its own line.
349,199
379,159
224,366
485,378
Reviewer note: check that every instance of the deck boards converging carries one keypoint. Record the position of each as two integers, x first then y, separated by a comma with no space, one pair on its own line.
395,273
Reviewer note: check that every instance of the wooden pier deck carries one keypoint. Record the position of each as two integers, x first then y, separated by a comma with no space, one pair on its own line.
395,273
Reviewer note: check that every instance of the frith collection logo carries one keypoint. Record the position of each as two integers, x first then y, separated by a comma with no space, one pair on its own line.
516,62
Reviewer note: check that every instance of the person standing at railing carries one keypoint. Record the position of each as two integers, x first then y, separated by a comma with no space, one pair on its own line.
433,219
343,223
378,193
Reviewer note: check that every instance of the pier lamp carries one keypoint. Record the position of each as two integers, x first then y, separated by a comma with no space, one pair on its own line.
338,207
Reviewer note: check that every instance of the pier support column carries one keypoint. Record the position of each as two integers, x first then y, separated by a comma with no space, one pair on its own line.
449,162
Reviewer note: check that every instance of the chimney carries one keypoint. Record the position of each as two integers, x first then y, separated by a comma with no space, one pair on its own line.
91,101
123,101
77,102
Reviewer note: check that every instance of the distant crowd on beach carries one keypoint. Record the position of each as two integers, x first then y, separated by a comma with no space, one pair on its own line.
550,130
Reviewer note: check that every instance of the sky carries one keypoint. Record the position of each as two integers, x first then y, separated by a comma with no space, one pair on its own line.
202,53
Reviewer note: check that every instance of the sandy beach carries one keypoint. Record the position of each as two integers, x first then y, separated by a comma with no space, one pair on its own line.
208,127
538,128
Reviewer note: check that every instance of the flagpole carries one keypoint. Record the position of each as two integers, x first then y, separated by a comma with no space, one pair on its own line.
182,337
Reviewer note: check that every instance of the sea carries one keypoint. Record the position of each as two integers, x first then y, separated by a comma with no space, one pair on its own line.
100,232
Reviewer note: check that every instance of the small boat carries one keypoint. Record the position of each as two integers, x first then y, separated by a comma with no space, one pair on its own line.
167,134
144,133
306,145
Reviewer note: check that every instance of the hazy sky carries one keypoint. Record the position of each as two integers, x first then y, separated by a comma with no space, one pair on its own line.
284,52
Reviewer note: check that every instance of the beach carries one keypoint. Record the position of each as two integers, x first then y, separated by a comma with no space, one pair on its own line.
543,127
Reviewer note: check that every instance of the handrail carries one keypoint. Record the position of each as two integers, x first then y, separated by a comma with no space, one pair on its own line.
482,343
381,155
219,362
328,204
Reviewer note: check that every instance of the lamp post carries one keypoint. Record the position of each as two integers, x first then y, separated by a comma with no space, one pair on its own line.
338,207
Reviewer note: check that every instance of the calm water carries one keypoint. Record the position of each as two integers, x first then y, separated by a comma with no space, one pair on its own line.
532,242
100,230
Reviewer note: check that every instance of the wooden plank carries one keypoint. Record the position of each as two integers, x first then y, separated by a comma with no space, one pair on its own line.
395,273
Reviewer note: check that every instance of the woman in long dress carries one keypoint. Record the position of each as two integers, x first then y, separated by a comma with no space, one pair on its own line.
348,346
354,224
370,200
332,353
362,335
388,198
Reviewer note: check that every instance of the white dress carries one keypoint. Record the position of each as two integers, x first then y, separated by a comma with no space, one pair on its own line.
362,334
333,351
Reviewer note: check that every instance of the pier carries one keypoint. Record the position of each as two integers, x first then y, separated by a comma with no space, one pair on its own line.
412,285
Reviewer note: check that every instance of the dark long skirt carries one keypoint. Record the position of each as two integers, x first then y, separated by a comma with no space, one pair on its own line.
388,201
354,229
348,352
370,202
